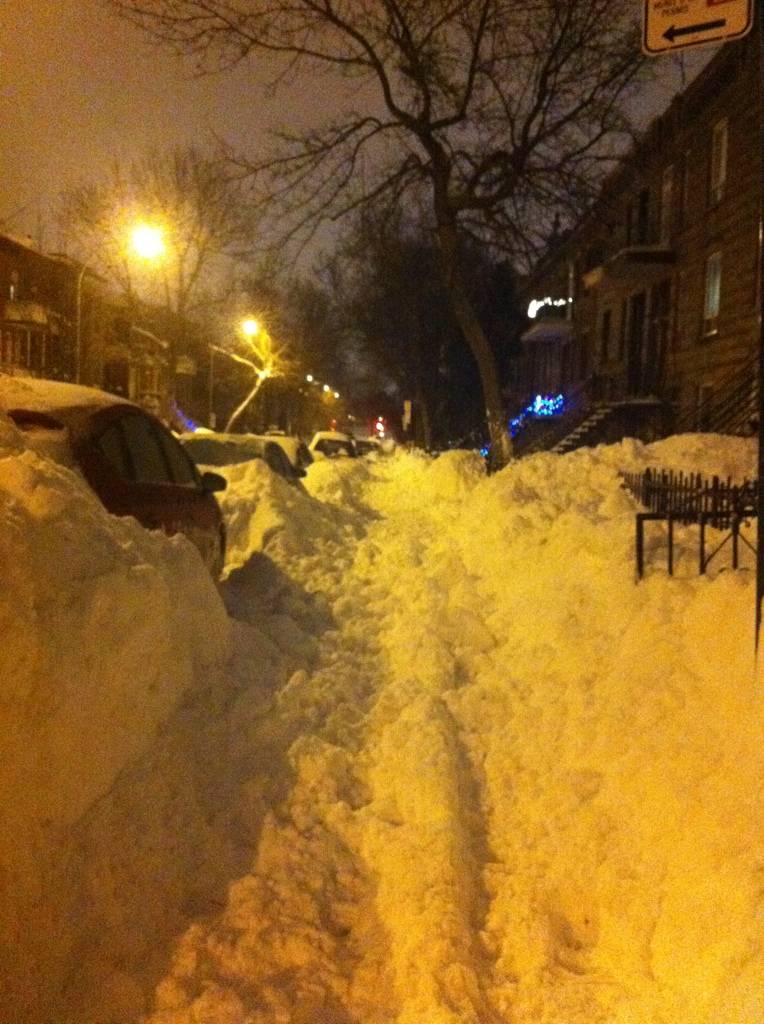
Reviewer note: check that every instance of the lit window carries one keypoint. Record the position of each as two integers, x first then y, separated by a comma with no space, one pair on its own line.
718,160
713,293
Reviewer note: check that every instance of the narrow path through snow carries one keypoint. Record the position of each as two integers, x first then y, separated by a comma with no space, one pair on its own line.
459,790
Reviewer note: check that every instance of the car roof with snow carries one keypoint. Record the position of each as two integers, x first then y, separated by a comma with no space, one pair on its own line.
289,444
331,435
52,404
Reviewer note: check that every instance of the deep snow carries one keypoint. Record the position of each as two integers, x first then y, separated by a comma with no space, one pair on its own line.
446,761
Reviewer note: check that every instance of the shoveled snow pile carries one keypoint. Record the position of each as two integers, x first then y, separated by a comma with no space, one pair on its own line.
106,630
476,773
508,783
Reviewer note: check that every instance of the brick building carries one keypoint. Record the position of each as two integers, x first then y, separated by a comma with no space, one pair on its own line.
59,320
654,297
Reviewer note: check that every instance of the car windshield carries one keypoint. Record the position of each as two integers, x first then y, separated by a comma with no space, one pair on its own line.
335,446
364,447
214,451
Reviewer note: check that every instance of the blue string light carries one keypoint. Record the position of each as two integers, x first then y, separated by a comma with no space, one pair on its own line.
187,422
541,406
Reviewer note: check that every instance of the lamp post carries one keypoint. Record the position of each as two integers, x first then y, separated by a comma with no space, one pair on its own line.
78,326
211,418
147,241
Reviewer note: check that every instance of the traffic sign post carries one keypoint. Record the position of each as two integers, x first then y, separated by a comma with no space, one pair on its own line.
678,24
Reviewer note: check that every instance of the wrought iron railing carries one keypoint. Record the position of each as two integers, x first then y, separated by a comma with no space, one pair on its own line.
690,498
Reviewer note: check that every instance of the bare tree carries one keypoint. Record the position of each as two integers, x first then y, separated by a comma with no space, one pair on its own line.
190,200
262,357
497,111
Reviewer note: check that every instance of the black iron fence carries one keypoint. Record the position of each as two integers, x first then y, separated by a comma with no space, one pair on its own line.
690,498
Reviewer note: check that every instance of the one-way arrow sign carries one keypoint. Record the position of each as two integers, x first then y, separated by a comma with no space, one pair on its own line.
688,30
676,24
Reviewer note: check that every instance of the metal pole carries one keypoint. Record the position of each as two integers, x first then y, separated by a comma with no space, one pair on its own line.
760,491
78,327
211,395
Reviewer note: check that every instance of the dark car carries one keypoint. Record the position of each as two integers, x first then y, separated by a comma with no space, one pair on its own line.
212,449
132,462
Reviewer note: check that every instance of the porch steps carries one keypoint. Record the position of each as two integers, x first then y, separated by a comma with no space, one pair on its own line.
585,430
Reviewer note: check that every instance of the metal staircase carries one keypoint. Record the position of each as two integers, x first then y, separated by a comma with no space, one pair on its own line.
585,431
730,408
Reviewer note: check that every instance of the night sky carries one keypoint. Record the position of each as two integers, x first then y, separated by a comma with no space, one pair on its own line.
79,86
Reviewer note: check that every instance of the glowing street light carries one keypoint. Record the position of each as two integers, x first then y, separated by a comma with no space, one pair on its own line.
336,394
309,378
327,388
148,241
250,327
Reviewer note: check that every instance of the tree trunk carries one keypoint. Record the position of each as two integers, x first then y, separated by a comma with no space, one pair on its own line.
501,442
240,408
424,420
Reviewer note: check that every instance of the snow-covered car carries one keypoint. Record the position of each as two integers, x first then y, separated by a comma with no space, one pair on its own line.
209,449
368,446
293,447
333,444
132,462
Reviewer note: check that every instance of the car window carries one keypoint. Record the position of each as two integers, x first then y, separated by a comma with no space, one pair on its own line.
334,446
111,444
210,451
181,467
145,450
278,461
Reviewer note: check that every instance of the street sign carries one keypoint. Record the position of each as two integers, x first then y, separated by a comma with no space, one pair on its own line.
677,24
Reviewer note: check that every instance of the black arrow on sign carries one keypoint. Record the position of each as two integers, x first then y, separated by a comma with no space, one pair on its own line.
686,30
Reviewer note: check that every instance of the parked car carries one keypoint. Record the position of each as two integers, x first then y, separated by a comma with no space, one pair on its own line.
333,444
368,446
131,461
210,449
294,448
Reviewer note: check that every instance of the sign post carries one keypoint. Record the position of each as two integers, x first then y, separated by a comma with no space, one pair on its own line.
678,24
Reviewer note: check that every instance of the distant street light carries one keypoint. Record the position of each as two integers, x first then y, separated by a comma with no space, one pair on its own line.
250,327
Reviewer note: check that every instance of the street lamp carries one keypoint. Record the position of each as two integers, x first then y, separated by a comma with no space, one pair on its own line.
148,241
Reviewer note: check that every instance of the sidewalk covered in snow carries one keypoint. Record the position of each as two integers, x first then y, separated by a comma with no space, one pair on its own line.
432,755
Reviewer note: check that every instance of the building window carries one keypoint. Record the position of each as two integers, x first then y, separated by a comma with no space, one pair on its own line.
643,217
718,161
623,329
605,331
703,401
667,205
713,293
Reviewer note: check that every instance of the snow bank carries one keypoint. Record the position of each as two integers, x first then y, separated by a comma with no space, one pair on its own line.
520,786
106,630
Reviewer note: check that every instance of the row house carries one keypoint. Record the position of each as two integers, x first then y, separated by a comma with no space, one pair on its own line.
654,297
36,312
59,320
